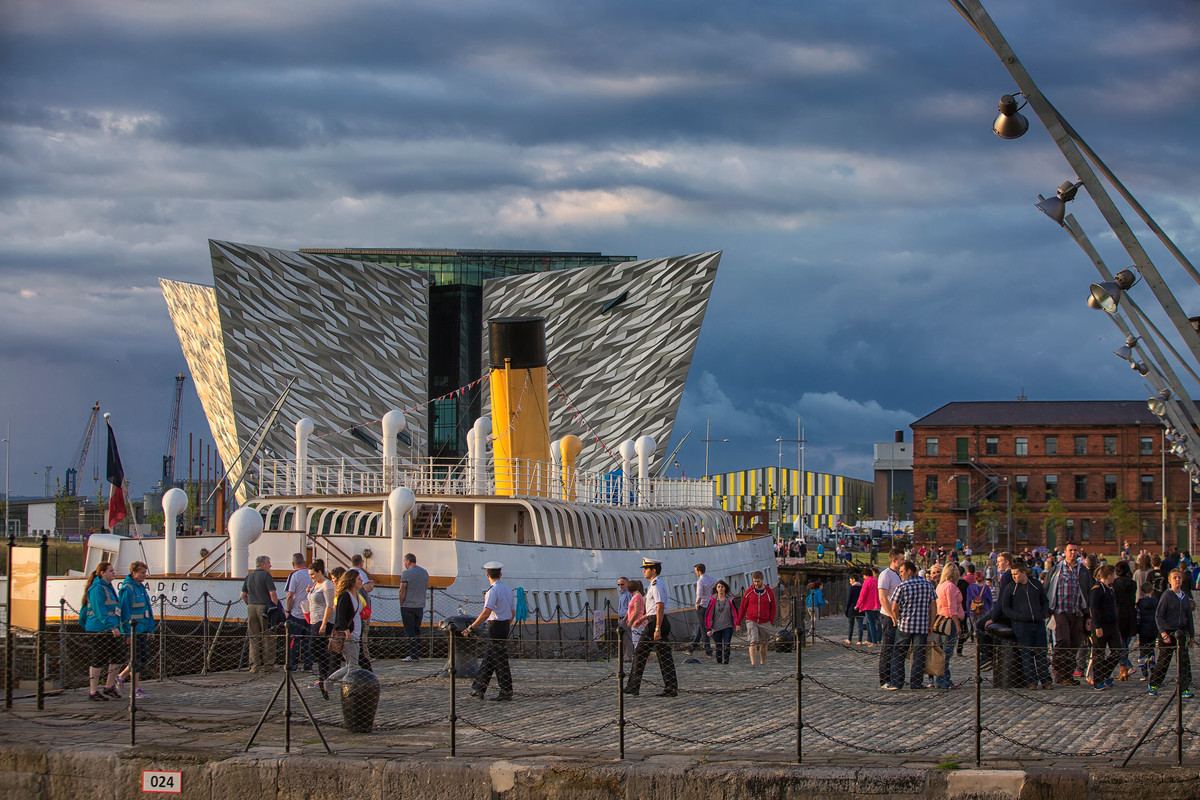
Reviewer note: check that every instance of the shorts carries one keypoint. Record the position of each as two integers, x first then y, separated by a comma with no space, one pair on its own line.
759,631
108,649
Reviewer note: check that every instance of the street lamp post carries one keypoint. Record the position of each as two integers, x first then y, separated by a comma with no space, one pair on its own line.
7,460
707,440
779,480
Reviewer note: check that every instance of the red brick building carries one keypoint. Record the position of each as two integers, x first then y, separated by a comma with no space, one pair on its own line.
985,473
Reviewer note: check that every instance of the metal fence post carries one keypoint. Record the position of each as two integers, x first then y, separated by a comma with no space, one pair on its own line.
1180,644
620,696
8,632
133,682
798,641
431,628
559,635
204,636
978,704
587,631
62,642
162,637
39,645
453,676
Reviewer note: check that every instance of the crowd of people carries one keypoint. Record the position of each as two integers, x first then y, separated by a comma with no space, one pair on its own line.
1073,616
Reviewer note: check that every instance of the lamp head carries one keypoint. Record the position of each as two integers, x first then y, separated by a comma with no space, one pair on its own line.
1139,368
1158,403
1010,124
1125,351
1056,207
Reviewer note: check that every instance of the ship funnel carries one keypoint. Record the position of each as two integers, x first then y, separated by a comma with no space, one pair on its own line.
627,450
245,526
400,502
174,503
645,451
521,447
393,426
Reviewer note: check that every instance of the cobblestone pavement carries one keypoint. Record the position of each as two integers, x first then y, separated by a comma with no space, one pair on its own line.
723,711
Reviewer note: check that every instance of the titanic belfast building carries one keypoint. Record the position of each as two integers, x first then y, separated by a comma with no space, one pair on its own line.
365,331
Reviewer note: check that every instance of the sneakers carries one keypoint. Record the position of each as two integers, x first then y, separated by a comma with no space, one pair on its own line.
142,694
1186,693
1101,686
1077,674
408,659
120,683
887,687
1153,691
98,696
111,692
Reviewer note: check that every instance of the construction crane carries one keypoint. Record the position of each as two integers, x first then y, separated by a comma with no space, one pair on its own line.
81,454
168,473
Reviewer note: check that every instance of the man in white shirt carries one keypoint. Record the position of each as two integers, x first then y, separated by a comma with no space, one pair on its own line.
656,636
704,590
499,605
889,579
295,603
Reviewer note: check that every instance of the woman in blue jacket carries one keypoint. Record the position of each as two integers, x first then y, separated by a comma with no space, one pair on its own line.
101,616
136,608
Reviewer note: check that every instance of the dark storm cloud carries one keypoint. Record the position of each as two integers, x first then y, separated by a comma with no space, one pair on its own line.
882,252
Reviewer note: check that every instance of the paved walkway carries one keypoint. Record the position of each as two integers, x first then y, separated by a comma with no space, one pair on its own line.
570,708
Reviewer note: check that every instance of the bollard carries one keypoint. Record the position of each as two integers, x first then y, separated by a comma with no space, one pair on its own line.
360,700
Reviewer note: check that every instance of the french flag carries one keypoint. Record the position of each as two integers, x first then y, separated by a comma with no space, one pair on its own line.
116,477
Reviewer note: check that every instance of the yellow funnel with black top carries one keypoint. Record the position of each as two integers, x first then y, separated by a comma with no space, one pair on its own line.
520,417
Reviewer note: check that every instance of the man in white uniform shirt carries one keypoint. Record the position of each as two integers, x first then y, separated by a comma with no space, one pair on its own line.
656,635
499,605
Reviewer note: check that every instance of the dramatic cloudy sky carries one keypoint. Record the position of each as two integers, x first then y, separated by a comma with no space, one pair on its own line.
882,255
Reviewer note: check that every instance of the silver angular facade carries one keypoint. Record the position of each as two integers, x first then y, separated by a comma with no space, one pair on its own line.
620,339
355,336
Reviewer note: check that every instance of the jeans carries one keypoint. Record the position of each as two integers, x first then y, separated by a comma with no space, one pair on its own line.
948,646
872,617
850,633
1105,654
1124,643
412,629
1069,635
904,641
662,649
299,650
495,659
350,654
721,641
888,638
701,633
1031,643
1165,651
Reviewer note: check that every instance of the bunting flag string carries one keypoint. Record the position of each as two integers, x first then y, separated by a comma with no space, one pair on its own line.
577,416
459,392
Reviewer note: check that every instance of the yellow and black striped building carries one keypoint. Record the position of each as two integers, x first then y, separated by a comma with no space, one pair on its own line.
828,498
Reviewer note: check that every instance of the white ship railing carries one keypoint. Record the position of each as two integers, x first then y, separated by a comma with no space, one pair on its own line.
343,476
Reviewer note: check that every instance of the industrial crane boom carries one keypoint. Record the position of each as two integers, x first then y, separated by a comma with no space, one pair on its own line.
168,472
81,454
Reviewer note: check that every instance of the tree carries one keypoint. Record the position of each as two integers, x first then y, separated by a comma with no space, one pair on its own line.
155,520
897,507
927,518
987,519
64,504
1056,515
1123,518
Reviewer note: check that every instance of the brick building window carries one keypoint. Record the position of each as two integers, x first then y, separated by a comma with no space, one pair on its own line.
1022,530
1081,487
931,448
1022,446
1110,445
1051,486
1146,446
1069,531
1051,445
1110,487
1085,530
1022,485
1081,445
1110,531
1149,530
931,487
991,446
1147,488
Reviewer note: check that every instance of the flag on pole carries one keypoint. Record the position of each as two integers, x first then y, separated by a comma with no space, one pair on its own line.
116,477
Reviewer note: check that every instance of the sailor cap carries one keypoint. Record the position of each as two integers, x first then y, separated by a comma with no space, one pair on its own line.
650,562
493,565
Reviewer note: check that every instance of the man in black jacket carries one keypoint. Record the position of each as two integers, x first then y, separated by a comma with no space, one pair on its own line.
1024,604
1175,625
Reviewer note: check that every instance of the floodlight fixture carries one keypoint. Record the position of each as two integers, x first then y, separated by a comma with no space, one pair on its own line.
1139,368
1107,294
1125,351
1010,124
1158,403
1056,207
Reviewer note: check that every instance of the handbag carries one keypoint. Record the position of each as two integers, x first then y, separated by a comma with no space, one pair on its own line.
935,659
337,642
274,615
365,613
945,626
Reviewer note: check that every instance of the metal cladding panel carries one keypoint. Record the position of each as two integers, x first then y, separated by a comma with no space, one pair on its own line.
193,310
619,340
355,335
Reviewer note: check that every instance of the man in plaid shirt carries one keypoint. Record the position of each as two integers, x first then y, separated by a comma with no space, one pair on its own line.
914,604
1068,587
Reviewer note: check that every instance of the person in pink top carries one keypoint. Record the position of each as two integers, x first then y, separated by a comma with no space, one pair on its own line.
868,606
949,604
637,610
